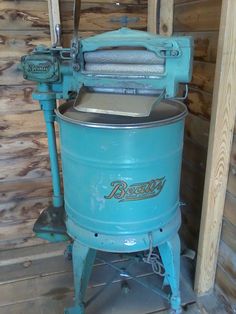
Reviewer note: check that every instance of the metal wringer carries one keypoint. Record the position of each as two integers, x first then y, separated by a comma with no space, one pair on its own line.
121,135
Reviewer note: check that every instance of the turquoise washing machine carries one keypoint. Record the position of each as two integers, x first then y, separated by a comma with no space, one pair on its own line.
121,138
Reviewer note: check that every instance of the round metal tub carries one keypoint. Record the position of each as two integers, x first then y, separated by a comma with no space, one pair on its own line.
121,176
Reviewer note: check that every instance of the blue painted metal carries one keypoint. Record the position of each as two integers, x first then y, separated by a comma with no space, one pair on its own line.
125,20
42,65
98,160
83,259
47,102
170,254
121,185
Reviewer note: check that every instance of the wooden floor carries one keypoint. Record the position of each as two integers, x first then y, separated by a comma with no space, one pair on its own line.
39,280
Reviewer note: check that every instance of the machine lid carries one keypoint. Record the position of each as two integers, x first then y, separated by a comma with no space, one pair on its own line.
167,111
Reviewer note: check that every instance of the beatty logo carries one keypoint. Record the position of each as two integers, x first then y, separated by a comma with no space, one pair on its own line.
137,191
39,67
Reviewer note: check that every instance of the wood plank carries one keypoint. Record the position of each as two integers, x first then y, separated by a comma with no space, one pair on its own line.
94,16
203,76
193,178
220,140
21,234
54,19
21,242
24,189
197,129
231,186
17,99
166,17
57,284
153,14
230,208
228,234
226,285
18,125
205,45
233,152
197,16
32,167
189,229
10,74
17,214
227,259
195,155
192,200
23,147
199,103
14,44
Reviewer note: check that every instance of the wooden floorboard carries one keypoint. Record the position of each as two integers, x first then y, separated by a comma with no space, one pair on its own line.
34,283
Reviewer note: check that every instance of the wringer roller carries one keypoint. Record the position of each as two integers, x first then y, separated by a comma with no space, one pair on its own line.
121,137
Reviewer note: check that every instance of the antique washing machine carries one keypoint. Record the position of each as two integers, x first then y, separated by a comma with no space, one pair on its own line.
121,134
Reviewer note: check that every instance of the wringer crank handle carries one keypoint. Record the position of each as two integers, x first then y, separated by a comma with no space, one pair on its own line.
57,44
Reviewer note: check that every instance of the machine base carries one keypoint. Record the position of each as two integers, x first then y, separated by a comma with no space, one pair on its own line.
75,310
124,243
83,259
50,225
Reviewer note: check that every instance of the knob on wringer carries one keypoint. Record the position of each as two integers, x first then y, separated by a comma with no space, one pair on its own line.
121,134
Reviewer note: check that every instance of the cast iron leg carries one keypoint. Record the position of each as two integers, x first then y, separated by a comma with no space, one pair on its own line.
83,259
170,254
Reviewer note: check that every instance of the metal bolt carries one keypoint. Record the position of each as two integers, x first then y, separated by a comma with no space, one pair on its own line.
76,67
125,287
174,53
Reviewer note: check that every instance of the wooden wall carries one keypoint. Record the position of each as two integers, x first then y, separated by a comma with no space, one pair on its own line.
226,268
25,184
201,18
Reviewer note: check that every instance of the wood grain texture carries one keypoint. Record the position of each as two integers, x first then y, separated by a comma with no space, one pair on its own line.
20,124
231,187
17,99
220,140
194,154
23,147
226,273
24,189
94,16
197,16
166,17
14,44
197,129
227,286
228,234
203,76
54,18
10,73
21,235
227,260
153,14
230,208
199,103
18,212
205,45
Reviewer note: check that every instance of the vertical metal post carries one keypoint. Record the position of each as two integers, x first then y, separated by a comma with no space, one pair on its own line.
47,102
170,254
83,260
52,148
